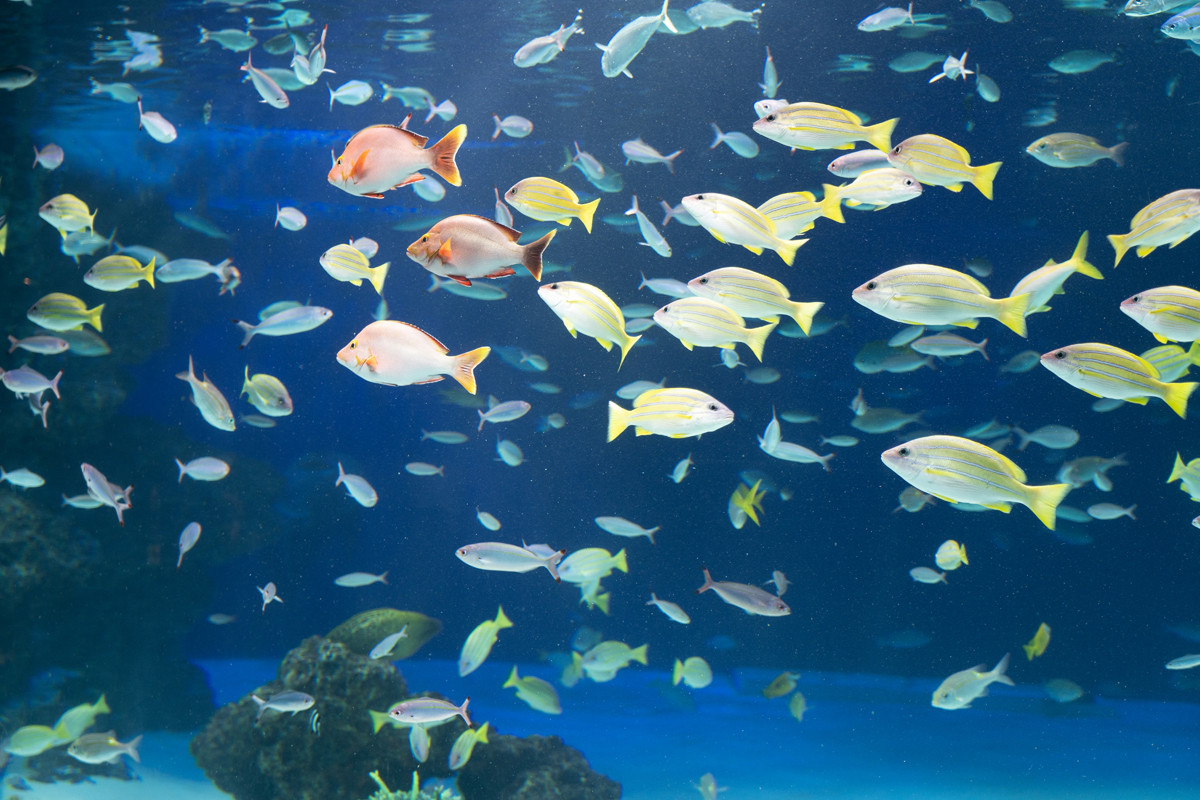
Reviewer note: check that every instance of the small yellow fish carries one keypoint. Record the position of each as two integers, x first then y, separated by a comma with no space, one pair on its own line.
347,263
1037,645
749,500
586,309
1171,313
464,745
695,672
535,692
63,312
797,706
937,161
67,213
816,126
479,643
676,413
1102,370
75,721
31,740
116,272
550,201
951,555
1170,219
783,684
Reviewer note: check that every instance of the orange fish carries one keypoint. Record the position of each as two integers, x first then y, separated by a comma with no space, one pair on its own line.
384,157
398,354
465,246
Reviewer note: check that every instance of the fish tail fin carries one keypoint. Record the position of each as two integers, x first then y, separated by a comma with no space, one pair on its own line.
502,621
249,330
983,350
462,712
1193,353
757,337
341,476
1176,396
1044,500
1023,438
804,313
670,160
1117,240
532,256
626,346
998,672
465,364
638,654
677,673
880,136
378,719
378,275
1177,469
1079,259
633,209
101,706
496,133
983,176
132,748
1117,153
586,212
383,577
708,581
602,602
54,384
93,318
512,679
618,420
831,203
667,20
1010,312
191,372
445,151
148,272
620,562
183,470
718,136
1029,648
787,250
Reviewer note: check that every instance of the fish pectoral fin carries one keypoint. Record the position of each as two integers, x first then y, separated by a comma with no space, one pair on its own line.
955,187
688,345
718,238
847,146
606,344
459,279
371,362
360,166
756,250
443,252
571,329
1145,250
1161,339
356,283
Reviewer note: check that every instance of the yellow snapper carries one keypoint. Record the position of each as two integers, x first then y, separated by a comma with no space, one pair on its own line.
734,221
937,161
1037,645
876,188
950,555
75,721
478,645
1047,280
64,312
467,246
208,398
32,740
795,212
267,394
1170,219
67,213
399,354
548,200
783,684
1102,370
603,661
961,688
924,294
1066,150
676,413
960,470
591,564
1171,313
816,126
585,309
97,748
464,745
695,672
116,272
698,321
346,263
1172,361
752,294
534,692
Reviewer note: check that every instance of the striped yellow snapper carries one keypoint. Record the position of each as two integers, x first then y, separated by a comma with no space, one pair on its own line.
1171,313
698,321
1047,280
116,272
67,213
347,263
676,413
937,161
876,188
534,692
752,294
548,200
816,126
795,212
63,312
960,470
734,221
1170,219
479,643
267,394
1102,370
585,309
924,294
1172,361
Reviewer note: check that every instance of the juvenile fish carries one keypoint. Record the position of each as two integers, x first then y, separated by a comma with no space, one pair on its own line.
628,42
202,469
286,323
1067,150
357,487
187,540
504,412
961,688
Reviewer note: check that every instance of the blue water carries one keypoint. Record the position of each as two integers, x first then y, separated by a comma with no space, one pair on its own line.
1111,591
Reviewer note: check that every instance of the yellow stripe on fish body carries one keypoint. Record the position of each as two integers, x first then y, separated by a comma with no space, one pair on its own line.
1102,370
752,294
925,294
961,470
671,411
734,221
816,126
1171,360
937,161
550,201
586,309
1171,313
347,263
117,272
1170,219
698,321
795,212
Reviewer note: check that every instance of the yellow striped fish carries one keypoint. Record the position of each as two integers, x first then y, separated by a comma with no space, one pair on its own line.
1171,313
1102,370
960,470
876,189
67,213
795,212
1171,360
1047,280
669,412
700,322
116,273
585,309
347,263
923,294
550,201
735,221
752,294
816,126
1168,220
64,312
937,161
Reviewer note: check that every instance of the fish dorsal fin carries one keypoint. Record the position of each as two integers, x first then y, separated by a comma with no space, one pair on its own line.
433,339
417,138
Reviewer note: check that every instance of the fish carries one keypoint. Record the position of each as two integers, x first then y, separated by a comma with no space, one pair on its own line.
1102,370
78,719
962,688
202,469
383,157
1109,511
1047,280
993,10
1069,150
784,683
544,49
1076,62
817,126
650,234
694,672
356,580
267,394
422,469
629,41
796,212
480,641
229,38
24,381
673,412
117,272
290,218
734,221
1170,313
1037,645
854,164
300,319
924,294
584,308
98,748
32,740
464,745
67,213
446,110
771,83
107,493
515,126
716,14
672,610
487,520
121,92
156,125
388,643
187,540
399,354
49,157
591,564
951,555
1184,662
424,710
876,189
953,69
638,151
534,692
960,470
927,575
269,595
987,88
700,322
267,88
503,412
750,599
213,406
886,19
286,702
466,246
736,141
22,478
937,161
347,263
1170,219
500,557
619,526
547,200
350,93
948,345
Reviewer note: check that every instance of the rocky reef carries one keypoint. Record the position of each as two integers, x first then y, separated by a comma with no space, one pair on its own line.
533,768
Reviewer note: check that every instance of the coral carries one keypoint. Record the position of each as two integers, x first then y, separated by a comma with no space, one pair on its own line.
534,768
415,793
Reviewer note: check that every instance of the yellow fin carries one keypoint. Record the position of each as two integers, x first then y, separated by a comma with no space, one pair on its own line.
1145,250
618,420
1176,396
982,177
1043,501
1118,243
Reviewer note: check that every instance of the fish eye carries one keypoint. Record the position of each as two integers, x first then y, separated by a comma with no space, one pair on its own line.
1041,146
699,197
425,238
770,118
1136,298
896,149
354,344
902,451
703,281
339,161
872,285
552,286
908,181
1061,354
